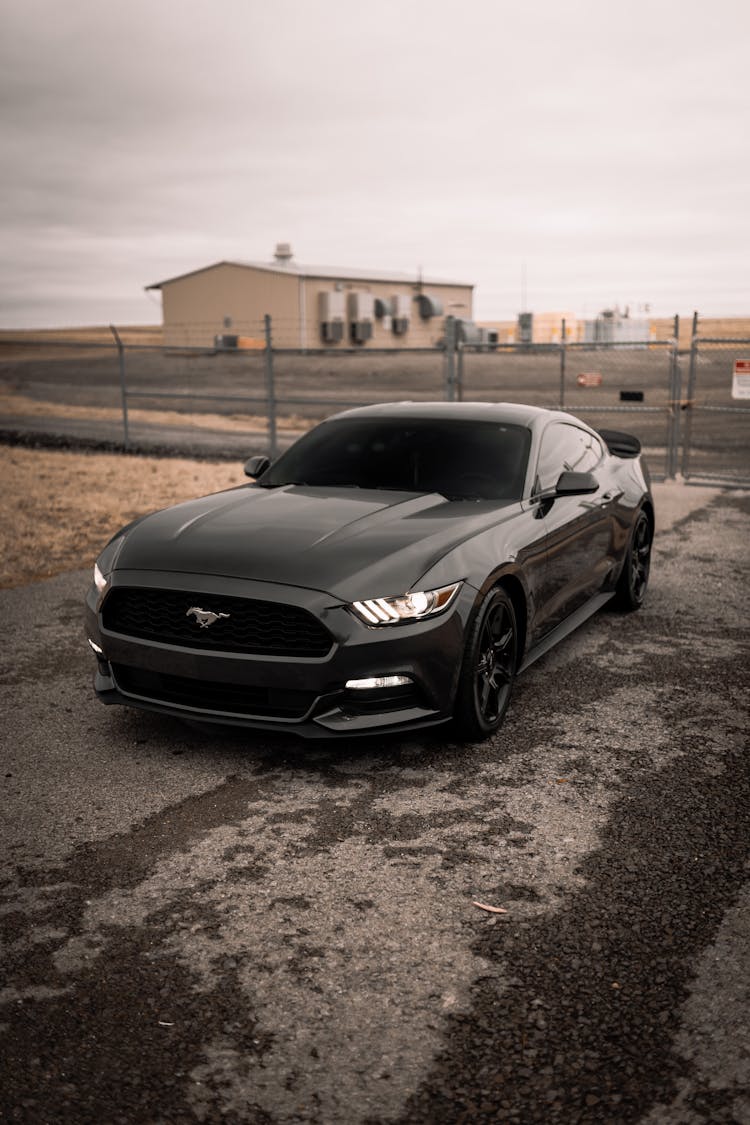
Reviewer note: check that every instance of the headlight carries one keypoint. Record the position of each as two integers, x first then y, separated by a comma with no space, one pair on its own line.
99,580
406,607
107,559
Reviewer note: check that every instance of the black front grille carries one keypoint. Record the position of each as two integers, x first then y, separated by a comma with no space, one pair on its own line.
249,625
204,695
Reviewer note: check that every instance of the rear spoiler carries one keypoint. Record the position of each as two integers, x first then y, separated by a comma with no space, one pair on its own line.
619,444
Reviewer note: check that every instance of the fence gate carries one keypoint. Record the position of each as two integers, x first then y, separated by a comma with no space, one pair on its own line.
716,416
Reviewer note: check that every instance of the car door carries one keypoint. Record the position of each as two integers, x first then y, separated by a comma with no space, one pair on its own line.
578,529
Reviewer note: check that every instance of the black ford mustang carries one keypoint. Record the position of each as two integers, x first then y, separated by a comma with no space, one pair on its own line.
396,568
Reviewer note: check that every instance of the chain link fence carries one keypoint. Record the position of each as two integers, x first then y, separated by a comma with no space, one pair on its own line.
716,427
246,394
629,386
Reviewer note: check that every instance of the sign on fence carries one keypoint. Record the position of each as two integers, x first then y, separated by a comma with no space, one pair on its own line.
741,379
589,379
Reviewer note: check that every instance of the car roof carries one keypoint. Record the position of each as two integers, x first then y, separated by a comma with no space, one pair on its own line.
514,413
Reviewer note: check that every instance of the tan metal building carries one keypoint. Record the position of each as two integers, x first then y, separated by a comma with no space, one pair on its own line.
310,306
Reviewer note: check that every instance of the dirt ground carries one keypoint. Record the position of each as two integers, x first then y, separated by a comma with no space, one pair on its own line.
58,508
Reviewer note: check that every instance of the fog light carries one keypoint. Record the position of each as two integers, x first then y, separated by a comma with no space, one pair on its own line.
95,648
370,682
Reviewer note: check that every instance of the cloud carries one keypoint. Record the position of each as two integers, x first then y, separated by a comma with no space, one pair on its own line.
603,148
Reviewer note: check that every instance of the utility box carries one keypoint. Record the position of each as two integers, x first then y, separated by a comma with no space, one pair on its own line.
526,328
332,316
225,342
401,306
361,316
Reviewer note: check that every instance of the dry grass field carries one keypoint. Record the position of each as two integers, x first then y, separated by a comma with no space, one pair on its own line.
59,508
710,327
13,404
97,334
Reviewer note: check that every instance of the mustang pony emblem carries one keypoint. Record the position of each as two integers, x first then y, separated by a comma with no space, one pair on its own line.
204,617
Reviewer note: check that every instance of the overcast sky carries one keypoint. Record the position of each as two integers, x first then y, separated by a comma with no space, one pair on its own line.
565,156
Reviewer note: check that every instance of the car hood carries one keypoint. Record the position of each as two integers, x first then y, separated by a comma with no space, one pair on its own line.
351,543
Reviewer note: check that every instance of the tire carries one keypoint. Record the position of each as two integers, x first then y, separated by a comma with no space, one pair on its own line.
631,586
488,669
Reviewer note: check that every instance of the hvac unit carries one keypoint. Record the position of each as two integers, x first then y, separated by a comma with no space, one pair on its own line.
475,335
361,313
429,306
383,307
525,328
332,331
401,305
361,331
332,316
467,332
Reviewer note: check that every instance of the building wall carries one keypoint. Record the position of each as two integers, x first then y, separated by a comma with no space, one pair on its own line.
507,330
547,327
196,307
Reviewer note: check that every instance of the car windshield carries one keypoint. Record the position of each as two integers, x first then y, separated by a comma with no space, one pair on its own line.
459,458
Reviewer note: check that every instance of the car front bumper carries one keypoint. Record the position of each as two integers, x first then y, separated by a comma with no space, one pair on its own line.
306,696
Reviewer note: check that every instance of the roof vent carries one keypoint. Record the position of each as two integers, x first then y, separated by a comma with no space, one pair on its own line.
283,253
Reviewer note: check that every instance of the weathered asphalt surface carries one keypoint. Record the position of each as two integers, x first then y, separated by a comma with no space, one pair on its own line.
256,930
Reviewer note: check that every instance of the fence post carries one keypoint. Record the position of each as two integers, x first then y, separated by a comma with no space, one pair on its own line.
123,386
562,364
688,430
459,372
450,357
673,431
270,390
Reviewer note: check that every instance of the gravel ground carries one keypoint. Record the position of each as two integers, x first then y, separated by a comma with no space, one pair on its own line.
254,930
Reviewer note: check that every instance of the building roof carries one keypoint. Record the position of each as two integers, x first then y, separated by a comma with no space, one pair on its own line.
332,273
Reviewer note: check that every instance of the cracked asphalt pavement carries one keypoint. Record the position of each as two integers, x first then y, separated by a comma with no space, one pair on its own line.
252,929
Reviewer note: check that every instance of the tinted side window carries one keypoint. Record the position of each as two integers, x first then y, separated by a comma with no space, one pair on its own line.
565,447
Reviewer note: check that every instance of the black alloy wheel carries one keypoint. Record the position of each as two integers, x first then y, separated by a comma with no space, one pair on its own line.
488,669
631,587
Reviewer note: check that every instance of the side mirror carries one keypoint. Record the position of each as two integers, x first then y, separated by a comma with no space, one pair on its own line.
257,465
576,484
